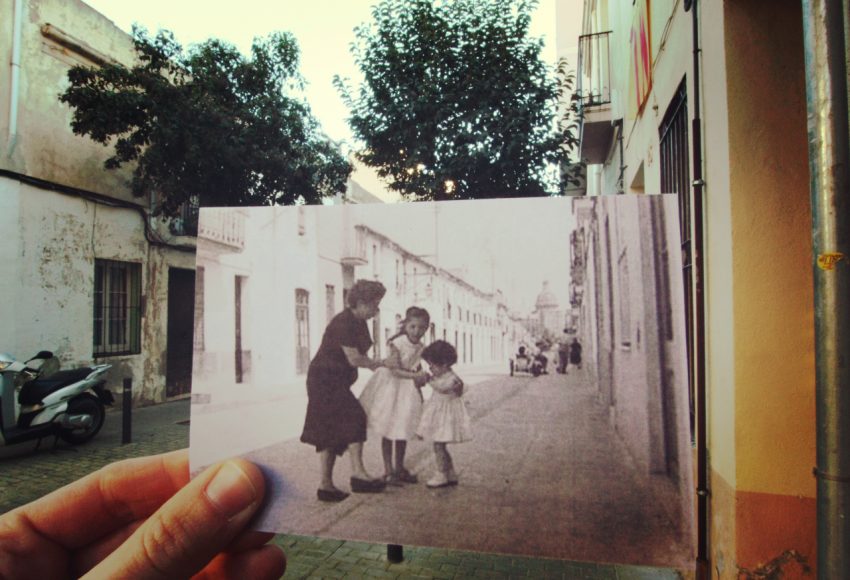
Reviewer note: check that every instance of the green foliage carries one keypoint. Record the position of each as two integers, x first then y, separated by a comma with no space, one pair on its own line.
456,101
209,123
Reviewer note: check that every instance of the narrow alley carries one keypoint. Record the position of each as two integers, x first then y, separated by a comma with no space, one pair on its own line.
545,476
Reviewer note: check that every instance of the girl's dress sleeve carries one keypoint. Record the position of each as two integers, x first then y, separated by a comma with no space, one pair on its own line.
446,385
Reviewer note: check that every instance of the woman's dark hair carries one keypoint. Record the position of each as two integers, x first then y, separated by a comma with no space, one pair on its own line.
412,312
365,292
440,352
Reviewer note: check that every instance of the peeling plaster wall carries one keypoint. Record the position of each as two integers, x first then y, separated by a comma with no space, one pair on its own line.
10,280
155,327
56,239
45,146
53,239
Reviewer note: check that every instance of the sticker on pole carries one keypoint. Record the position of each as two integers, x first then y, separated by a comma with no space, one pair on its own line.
828,260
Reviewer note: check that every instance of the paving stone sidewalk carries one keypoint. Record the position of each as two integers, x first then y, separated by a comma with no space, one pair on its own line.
27,473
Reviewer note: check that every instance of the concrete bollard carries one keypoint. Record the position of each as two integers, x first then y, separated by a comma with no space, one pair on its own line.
127,411
395,553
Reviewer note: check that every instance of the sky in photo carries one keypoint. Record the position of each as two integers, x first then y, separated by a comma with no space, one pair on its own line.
512,245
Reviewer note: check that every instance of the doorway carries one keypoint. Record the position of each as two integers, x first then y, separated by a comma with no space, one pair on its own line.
180,331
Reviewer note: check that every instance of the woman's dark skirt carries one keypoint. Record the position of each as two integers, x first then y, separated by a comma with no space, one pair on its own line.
335,418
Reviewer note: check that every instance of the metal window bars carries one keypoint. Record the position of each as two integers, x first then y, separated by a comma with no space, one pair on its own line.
594,69
117,308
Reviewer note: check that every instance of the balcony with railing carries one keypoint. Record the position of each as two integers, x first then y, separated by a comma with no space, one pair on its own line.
594,94
224,227
354,248
185,223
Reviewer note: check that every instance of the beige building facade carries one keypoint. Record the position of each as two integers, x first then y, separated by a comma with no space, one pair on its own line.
640,89
89,274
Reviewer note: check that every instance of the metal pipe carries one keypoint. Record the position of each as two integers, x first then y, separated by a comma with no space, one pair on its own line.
14,85
703,560
829,154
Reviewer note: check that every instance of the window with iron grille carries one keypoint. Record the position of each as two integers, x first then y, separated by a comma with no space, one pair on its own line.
675,178
185,223
302,330
330,302
117,307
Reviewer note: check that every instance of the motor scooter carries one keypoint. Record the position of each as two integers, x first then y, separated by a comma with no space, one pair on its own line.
36,403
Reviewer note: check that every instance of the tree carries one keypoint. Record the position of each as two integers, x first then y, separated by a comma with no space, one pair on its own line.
456,101
208,124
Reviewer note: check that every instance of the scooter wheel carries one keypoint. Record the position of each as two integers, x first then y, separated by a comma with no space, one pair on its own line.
85,404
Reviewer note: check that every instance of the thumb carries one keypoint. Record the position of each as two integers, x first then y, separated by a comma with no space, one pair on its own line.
191,528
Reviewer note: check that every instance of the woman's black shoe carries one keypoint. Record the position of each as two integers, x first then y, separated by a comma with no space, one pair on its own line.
333,495
367,485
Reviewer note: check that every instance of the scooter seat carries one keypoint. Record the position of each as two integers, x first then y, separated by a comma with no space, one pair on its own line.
35,391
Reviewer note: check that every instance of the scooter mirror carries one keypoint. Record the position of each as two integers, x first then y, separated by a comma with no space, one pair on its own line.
45,354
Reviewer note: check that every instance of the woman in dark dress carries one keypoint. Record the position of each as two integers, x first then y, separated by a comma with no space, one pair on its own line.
335,420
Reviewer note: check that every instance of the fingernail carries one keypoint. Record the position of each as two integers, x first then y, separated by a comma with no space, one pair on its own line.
230,491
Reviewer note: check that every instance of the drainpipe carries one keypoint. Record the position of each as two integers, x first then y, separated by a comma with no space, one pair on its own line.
14,85
826,96
621,182
703,562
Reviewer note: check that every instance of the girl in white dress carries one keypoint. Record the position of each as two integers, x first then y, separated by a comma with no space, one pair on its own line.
444,417
392,399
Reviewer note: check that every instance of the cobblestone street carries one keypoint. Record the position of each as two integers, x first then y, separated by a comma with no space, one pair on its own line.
27,473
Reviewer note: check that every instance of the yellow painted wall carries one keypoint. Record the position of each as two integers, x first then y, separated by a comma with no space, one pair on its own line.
774,495
771,231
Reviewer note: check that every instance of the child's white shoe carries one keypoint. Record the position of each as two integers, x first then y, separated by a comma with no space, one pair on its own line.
439,480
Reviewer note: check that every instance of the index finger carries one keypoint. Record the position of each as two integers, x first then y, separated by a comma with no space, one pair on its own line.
107,499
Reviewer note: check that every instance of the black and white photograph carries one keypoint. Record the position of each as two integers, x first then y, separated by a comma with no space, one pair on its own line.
505,376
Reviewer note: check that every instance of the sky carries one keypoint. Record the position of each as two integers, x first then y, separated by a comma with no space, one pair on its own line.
324,29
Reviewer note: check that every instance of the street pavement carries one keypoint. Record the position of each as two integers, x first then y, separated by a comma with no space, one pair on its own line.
503,459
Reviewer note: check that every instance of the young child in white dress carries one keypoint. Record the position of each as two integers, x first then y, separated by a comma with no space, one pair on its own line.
392,399
444,416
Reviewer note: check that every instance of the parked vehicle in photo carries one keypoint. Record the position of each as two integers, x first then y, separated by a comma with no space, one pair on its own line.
37,400
524,363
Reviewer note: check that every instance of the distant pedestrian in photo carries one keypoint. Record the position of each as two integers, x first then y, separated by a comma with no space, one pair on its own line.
575,353
541,361
392,398
563,353
335,421
444,416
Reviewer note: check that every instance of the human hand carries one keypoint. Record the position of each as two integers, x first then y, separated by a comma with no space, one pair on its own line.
457,387
421,378
144,518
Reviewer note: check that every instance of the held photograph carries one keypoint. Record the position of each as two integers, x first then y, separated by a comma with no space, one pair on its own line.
505,376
